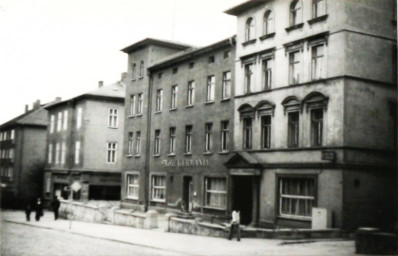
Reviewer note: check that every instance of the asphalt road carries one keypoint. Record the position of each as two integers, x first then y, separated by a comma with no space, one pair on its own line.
21,240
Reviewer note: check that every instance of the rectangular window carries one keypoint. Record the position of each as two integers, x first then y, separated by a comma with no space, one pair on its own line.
50,154
52,122
317,62
216,192
79,118
294,66
266,131
59,122
63,152
137,143
211,59
112,121
132,105
188,139
175,70
191,93
140,103
191,65
227,54
296,197
77,152
159,100
316,127
247,133
267,74
211,81
132,186
111,152
224,136
226,85
57,152
134,71
1,136
142,69
158,188
248,78
208,137
12,134
12,154
65,120
160,75
157,142
174,91
172,140
130,144
293,129
318,8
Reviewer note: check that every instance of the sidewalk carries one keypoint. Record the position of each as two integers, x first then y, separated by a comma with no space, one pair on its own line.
182,243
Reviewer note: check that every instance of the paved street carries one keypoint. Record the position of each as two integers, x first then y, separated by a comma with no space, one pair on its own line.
49,237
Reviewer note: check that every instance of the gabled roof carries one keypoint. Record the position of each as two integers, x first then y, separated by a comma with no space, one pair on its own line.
237,10
242,158
153,41
115,91
34,117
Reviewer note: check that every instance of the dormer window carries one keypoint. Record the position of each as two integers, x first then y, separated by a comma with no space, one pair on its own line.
249,32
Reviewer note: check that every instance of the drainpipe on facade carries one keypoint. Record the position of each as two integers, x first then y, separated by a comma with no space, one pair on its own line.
147,144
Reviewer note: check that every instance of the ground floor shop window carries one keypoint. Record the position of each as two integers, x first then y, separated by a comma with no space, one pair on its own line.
296,197
132,186
216,192
158,188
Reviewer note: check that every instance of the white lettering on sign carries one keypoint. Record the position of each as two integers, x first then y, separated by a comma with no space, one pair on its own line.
186,163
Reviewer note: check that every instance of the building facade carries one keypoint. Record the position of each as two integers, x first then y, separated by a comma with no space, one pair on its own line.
84,141
315,112
22,156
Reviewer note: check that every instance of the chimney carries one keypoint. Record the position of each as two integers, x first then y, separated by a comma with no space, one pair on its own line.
58,99
36,104
124,75
26,108
100,84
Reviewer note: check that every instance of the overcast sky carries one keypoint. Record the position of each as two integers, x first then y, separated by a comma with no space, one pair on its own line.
51,48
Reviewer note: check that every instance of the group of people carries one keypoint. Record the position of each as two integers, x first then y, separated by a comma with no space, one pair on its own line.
37,206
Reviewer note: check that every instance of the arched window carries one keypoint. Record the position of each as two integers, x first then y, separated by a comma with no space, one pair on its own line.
250,33
316,104
268,22
142,69
296,12
247,115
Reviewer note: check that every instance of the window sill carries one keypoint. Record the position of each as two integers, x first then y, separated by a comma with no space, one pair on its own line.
171,155
223,152
138,115
270,35
141,77
133,79
157,155
189,106
158,200
137,156
209,102
129,156
294,27
252,41
173,109
225,100
207,153
112,127
131,116
318,19
188,154
106,163
297,218
132,198
158,112
214,208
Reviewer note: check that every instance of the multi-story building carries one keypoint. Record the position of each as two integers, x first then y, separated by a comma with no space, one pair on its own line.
315,112
186,132
84,142
22,156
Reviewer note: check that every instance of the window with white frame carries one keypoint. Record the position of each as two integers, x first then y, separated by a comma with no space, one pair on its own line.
211,81
65,123
296,13
226,85
50,153
224,136
250,30
137,143
268,23
79,117
130,144
57,152
132,186
142,69
294,67
113,118
12,154
266,131
174,91
188,139
1,136
316,127
172,140
140,104
59,122
132,105
133,71
249,78
52,120
293,129
247,132
63,152
77,152
296,197
7,172
267,74
158,188
157,142
191,93
111,152
12,134
159,100
318,8
317,61
208,137
216,192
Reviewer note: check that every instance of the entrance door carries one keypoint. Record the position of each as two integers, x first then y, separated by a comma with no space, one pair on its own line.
243,198
187,194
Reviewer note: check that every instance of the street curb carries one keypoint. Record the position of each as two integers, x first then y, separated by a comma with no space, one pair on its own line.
312,241
103,238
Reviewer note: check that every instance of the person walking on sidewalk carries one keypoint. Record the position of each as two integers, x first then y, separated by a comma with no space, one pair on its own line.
39,209
56,204
235,222
28,209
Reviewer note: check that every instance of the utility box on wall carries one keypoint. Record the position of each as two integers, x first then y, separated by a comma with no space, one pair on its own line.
321,218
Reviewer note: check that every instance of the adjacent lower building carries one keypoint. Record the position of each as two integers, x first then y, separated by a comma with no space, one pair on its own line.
84,142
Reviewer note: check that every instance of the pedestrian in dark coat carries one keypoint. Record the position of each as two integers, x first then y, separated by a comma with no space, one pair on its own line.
28,210
39,209
56,204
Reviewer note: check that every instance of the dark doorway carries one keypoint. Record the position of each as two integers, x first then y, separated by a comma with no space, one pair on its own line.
62,190
242,199
187,194
97,192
